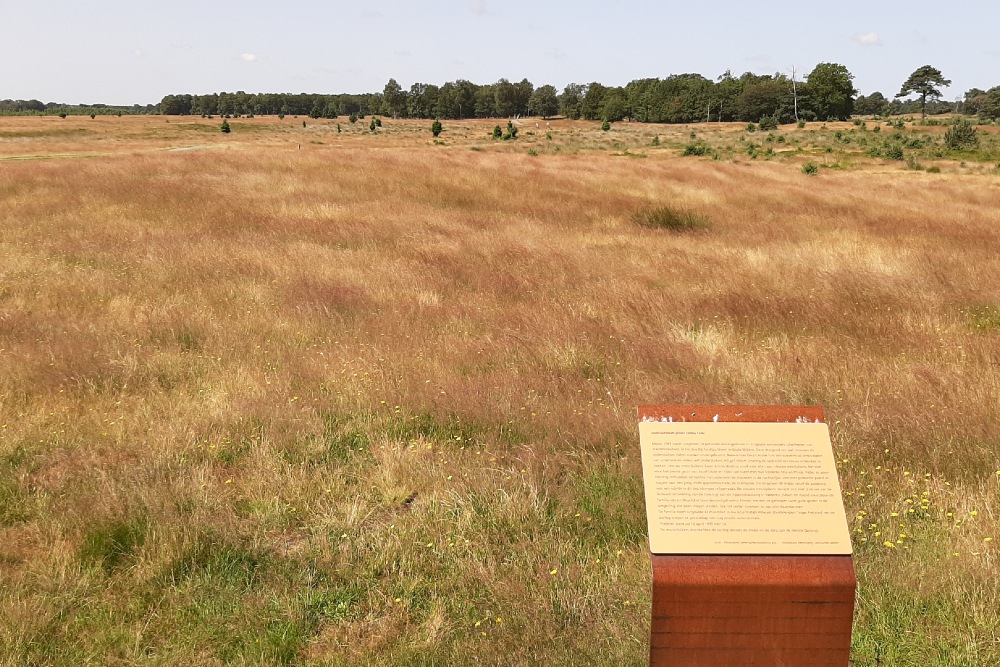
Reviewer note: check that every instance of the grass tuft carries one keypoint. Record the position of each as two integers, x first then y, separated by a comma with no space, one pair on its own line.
671,218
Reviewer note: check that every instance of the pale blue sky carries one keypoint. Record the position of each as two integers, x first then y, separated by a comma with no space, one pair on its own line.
134,52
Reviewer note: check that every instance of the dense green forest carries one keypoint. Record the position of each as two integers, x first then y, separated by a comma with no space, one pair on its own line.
37,108
826,93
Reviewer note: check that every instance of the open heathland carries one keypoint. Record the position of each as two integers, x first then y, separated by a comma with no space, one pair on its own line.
308,394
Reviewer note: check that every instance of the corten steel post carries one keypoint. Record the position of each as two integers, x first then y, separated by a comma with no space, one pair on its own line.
715,610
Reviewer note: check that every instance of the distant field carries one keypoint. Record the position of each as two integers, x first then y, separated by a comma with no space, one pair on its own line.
294,396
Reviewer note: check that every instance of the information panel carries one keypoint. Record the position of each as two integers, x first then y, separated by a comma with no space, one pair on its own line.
742,488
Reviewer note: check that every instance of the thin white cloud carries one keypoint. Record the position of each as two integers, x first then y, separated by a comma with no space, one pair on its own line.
479,8
868,39
248,57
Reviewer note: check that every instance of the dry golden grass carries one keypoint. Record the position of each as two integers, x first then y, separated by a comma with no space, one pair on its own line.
372,400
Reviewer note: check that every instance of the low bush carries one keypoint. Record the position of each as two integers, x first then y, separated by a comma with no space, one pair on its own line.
893,152
696,148
768,123
961,135
810,169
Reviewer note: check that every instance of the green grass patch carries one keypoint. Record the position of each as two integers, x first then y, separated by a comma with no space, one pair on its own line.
198,127
38,134
217,562
985,318
610,507
110,545
447,429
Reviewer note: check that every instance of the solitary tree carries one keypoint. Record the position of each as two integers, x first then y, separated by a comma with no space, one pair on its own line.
831,91
225,127
436,128
924,81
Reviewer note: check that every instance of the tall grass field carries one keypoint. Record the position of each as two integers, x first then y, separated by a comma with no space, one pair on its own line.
314,395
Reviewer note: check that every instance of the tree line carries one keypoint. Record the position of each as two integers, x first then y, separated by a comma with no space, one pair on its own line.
38,108
825,93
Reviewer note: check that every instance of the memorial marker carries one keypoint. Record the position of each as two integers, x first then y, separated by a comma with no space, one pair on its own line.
749,541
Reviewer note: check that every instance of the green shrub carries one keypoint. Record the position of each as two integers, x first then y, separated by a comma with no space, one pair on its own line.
670,218
697,148
378,122
497,132
605,126
225,127
810,169
436,128
372,125
961,135
655,141
934,170
751,127
893,152
353,119
768,123
532,152
801,124
877,129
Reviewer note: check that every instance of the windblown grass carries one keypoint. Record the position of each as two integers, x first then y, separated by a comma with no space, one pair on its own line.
372,401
